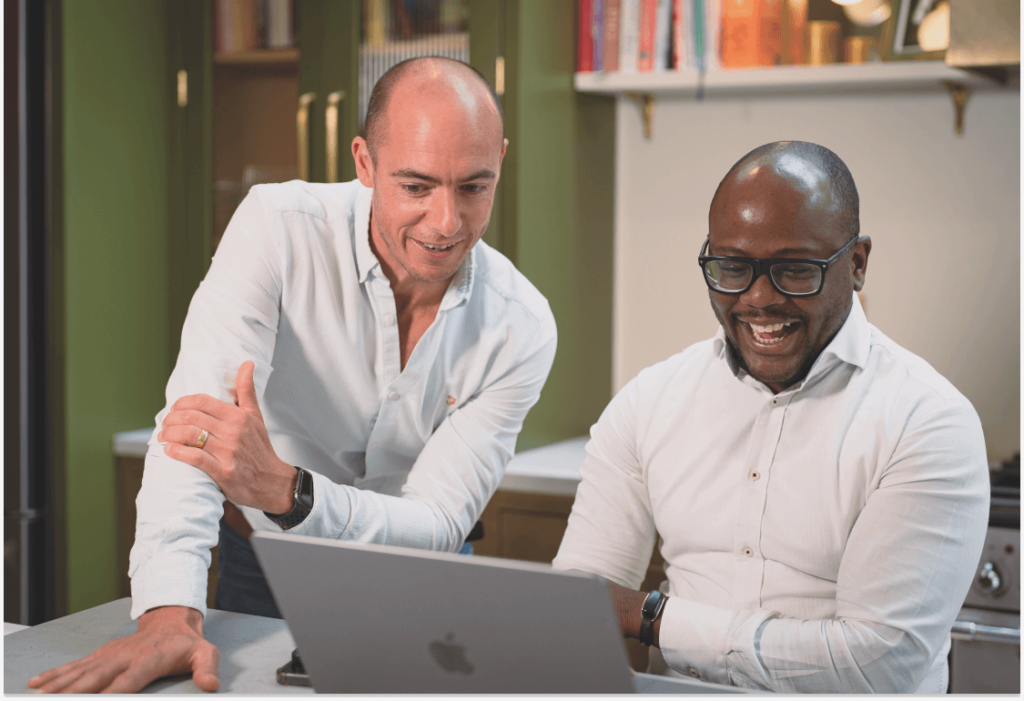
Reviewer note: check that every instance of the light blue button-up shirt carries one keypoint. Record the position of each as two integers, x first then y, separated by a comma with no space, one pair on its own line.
401,457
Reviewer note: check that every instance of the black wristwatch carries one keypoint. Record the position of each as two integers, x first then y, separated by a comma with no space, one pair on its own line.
303,503
649,613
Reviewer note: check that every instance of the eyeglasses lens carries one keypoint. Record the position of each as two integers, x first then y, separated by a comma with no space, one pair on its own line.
727,275
796,278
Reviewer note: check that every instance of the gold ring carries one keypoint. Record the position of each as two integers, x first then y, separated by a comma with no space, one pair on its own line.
203,435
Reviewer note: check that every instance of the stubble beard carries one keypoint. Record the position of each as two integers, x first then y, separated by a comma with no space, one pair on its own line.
835,317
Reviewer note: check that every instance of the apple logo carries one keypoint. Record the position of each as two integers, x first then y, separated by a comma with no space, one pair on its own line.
450,655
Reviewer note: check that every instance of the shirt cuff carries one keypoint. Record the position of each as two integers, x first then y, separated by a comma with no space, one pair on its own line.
694,639
175,580
331,511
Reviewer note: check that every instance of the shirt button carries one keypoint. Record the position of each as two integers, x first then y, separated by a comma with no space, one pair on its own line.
775,402
694,673
754,475
393,396
389,319
373,447
749,552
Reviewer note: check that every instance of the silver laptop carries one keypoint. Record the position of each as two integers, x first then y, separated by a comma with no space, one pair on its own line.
375,619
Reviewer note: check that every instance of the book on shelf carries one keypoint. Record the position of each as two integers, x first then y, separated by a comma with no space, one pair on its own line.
648,29
612,9
629,40
794,24
663,37
645,36
751,33
585,36
245,25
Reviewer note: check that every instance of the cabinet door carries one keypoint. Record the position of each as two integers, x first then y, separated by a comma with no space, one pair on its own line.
329,32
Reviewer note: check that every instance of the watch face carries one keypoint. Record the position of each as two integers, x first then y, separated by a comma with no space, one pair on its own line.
651,603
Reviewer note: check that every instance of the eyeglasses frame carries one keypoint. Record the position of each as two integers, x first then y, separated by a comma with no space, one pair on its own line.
763,266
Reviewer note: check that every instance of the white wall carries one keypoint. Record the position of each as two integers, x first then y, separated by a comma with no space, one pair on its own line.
943,212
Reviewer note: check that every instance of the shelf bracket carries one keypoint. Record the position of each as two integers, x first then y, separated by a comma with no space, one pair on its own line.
646,104
960,94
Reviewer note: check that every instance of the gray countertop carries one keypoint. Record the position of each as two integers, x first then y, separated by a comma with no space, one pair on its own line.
252,648
552,469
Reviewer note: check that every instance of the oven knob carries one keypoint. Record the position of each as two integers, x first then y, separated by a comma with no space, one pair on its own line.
989,580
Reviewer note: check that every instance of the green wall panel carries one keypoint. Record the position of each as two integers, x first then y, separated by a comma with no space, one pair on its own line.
563,175
115,231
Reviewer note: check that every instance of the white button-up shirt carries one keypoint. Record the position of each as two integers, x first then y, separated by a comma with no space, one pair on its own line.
403,457
817,540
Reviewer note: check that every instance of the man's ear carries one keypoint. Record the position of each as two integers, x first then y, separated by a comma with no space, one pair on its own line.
364,163
859,261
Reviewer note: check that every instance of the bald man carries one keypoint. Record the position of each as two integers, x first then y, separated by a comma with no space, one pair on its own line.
356,365
819,494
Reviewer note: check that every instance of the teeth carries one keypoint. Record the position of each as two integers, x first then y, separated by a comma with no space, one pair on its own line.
438,248
771,328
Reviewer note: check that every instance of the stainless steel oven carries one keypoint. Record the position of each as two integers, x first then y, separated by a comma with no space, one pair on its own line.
985,652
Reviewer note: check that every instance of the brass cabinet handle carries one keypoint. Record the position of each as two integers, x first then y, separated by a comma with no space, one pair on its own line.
302,125
332,135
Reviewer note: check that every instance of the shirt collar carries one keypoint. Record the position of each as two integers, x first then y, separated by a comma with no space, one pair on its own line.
365,260
458,290
851,345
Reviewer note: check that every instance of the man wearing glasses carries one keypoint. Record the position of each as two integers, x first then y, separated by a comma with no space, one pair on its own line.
819,494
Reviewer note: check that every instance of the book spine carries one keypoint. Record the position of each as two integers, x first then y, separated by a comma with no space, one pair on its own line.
612,15
585,35
663,37
237,26
796,24
769,36
598,32
698,34
739,33
648,28
712,34
629,26
688,42
678,35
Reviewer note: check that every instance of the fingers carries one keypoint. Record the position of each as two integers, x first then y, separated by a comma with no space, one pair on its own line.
205,660
245,388
188,436
89,674
194,457
200,420
62,670
206,404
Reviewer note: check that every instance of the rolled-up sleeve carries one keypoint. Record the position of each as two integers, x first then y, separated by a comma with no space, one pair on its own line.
232,318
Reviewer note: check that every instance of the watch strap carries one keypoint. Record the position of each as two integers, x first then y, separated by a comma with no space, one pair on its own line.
302,503
650,611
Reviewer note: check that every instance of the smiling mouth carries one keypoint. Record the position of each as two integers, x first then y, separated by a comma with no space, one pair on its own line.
436,249
769,335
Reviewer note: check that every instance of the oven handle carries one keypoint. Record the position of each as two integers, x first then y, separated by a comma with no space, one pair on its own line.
966,630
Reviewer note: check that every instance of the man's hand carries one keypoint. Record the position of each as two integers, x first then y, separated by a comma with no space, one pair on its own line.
237,454
169,642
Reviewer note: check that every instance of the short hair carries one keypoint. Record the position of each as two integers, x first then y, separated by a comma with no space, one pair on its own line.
375,123
841,186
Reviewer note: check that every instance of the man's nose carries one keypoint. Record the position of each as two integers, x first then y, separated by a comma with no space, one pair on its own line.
762,294
444,213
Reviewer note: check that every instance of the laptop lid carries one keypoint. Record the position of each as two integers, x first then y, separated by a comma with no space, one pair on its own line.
380,619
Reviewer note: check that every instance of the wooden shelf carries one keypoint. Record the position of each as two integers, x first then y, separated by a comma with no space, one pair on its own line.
258,57
902,75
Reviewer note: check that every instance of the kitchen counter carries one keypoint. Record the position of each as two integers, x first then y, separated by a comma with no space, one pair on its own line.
552,469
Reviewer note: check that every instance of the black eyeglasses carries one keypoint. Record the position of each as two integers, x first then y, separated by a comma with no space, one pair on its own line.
794,277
